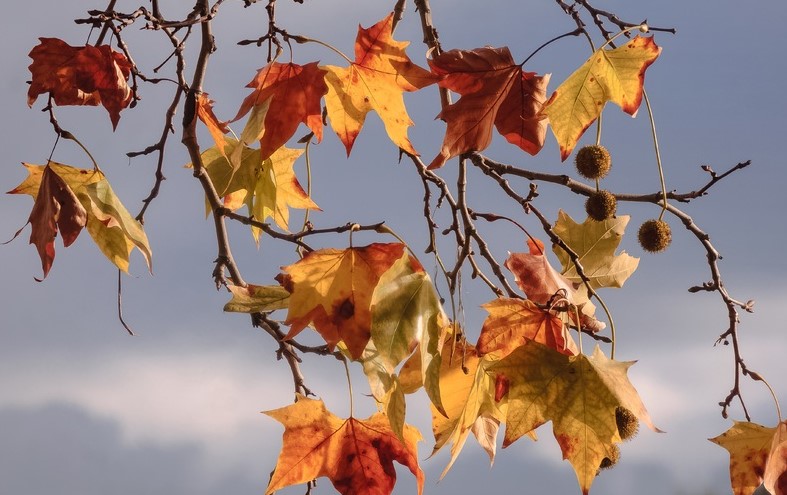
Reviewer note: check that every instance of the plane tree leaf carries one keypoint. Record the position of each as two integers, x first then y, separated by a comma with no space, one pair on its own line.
579,394
775,476
356,455
257,298
375,81
216,127
80,75
293,93
333,289
749,445
512,322
494,91
54,188
535,276
268,188
615,75
595,244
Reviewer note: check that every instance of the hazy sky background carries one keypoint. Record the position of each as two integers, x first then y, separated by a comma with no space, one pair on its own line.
85,409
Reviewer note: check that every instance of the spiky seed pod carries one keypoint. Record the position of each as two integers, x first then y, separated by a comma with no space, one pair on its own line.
628,424
601,205
654,235
593,162
612,458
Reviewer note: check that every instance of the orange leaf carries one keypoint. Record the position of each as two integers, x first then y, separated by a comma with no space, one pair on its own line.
333,288
382,71
216,127
356,455
295,92
748,444
495,91
88,75
512,322
535,276
56,208
608,75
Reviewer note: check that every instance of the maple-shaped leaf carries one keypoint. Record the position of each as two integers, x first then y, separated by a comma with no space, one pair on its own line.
269,188
748,445
294,93
615,75
376,80
535,276
579,394
56,208
257,298
495,91
356,455
775,476
595,243
111,226
512,322
333,288
80,75
469,401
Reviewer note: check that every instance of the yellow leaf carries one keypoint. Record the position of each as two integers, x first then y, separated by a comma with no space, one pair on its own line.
748,445
257,298
356,455
615,75
579,394
595,244
375,81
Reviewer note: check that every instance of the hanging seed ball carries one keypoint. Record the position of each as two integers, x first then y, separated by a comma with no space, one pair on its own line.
593,162
628,424
655,235
613,456
601,205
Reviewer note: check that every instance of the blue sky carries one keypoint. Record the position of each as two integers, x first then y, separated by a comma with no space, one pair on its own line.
85,409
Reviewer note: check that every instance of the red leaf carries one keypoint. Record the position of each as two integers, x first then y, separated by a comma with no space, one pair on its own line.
88,75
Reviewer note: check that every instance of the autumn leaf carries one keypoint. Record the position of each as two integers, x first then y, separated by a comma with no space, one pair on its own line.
375,81
268,188
495,91
333,288
615,75
748,445
216,127
294,93
512,322
86,75
468,397
579,394
257,298
775,477
356,455
113,229
56,208
535,276
595,244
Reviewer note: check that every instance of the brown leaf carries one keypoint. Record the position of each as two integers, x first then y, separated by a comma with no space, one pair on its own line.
775,477
748,445
495,91
88,75
535,276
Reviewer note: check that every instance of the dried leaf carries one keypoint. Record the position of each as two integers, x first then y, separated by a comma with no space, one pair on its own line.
535,276
257,298
775,477
495,91
87,75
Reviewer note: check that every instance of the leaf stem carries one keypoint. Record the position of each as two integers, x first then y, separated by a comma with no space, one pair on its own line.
575,32
304,39
658,154
349,383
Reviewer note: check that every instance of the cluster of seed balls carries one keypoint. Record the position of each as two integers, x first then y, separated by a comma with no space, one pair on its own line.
593,162
628,427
